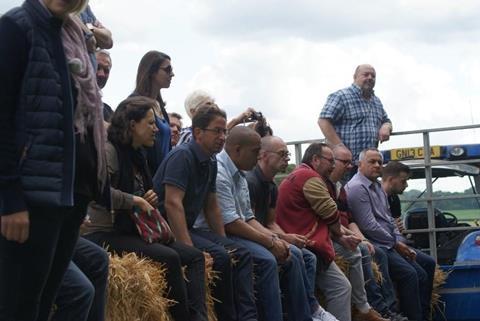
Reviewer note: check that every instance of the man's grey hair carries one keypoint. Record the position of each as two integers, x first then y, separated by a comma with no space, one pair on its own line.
363,153
196,99
104,52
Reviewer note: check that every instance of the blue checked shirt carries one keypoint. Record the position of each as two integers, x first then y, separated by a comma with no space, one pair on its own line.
356,120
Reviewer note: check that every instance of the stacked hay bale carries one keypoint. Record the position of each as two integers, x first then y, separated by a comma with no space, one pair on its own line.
137,290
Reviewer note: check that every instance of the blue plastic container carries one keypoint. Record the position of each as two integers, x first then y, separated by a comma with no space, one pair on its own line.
460,295
469,249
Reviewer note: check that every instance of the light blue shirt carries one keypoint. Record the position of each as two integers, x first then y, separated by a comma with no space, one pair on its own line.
232,193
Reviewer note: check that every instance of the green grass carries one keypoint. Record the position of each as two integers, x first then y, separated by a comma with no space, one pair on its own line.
466,215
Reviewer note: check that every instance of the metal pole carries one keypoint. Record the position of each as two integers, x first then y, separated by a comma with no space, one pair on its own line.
298,153
432,236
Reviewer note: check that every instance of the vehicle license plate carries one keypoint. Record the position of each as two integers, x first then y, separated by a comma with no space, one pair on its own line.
413,153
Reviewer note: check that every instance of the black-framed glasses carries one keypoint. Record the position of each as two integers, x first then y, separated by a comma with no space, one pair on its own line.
167,69
217,130
345,162
281,153
331,160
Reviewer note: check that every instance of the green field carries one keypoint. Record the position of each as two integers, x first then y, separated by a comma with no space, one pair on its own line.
466,215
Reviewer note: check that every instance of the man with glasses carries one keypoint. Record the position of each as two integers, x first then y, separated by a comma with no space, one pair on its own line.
185,184
364,286
270,254
273,159
305,206
412,270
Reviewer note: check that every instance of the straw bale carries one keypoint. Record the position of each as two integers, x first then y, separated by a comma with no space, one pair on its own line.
439,279
342,264
377,274
137,290
210,277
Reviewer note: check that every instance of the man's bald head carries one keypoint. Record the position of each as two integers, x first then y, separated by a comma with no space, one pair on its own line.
243,145
271,143
341,151
364,77
241,136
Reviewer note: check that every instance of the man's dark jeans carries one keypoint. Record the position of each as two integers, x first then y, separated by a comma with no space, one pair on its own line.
414,280
235,287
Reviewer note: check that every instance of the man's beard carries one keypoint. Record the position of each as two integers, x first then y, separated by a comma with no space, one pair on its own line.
367,92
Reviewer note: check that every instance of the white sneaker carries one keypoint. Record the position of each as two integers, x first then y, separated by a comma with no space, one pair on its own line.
322,315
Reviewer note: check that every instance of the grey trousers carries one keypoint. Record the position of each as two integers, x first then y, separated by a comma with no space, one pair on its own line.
355,276
337,291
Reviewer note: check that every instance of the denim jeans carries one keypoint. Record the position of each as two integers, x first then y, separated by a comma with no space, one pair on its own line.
295,286
86,274
380,296
355,276
235,287
75,296
31,273
414,280
310,263
267,284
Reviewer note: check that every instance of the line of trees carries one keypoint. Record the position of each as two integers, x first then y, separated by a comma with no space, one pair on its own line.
455,204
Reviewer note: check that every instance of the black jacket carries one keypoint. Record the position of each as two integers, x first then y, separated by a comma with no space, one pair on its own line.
37,140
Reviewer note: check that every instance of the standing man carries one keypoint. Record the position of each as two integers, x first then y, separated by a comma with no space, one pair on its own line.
273,159
104,65
354,116
175,127
412,270
185,183
305,207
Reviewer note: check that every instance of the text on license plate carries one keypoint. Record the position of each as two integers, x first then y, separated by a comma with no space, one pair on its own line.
413,153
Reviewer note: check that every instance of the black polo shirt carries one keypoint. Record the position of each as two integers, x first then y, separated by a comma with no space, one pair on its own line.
395,205
263,194
190,169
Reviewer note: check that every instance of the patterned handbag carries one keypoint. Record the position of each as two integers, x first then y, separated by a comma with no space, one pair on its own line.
152,226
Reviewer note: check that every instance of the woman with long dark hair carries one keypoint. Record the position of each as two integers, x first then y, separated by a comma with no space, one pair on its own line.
133,128
51,151
155,73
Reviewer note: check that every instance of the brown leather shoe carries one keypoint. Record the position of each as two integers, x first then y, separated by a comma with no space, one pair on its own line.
371,315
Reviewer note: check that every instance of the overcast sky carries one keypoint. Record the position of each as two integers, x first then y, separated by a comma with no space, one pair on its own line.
284,57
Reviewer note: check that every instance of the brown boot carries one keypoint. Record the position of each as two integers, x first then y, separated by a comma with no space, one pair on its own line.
371,315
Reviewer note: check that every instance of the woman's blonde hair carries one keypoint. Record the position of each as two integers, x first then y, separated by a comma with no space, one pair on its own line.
79,7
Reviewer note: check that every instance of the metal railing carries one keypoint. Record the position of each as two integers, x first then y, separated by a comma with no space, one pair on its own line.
428,195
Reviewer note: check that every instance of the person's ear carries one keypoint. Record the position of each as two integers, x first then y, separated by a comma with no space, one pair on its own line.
132,124
196,131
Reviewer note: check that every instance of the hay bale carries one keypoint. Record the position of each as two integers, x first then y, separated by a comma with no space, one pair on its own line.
439,279
210,277
137,290
342,264
377,274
